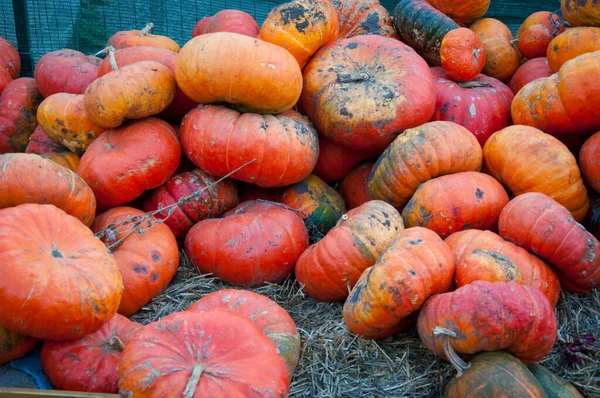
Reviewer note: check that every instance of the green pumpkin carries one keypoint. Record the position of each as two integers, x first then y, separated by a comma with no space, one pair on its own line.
556,387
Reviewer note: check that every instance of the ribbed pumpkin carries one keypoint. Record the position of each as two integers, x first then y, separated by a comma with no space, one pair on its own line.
301,27
361,92
486,265
64,71
220,140
589,164
524,159
14,345
463,12
235,21
363,17
571,44
462,54
442,147
40,142
415,265
18,106
536,33
130,38
330,267
336,161
581,12
354,188
531,70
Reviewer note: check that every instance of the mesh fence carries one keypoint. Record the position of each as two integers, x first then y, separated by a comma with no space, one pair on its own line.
40,26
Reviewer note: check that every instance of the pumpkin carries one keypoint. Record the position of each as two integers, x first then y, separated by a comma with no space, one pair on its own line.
283,149
40,142
571,44
252,244
64,71
581,12
181,104
29,178
363,17
10,63
336,161
85,287
543,226
89,363
354,188
301,27
588,161
481,105
18,106
328,269
462,54
498,258
234,21
501,58
65,158
420,154
555,386
270,317
124,162
531,70
63,117
422,27
267,78
14,345
415,265
189,197
135,91
202,354
130,38
475,202
536,33
524,159
463,12
319,205
145,251
490,316
361,92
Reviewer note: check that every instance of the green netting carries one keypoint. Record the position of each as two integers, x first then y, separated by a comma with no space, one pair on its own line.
48,25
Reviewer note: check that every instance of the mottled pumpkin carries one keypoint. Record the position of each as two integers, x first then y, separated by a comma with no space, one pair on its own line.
581,12
18,106
40,142
234,21
536,33
571,44
130,38
64,71
363,17
462,54
463,12
531,70
485,265
328,269
14,345
336,161
354,188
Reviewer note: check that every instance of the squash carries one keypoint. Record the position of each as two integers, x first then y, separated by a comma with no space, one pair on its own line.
571,44
40,142
18,106
462,54
64,71
363,17
234,21
536,33
555,386
354,188
336,161
531,70
130,38
581,12
14,345
463,12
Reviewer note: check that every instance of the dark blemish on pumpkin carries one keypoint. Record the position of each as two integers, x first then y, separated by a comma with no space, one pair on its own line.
154,70
155,256
444,107
556,48
352,46
466,226
140,268
425,216
371,24
385,214
412,272
154,276
415,242
89,135
60,123
479,194
344,112
56,254
264,125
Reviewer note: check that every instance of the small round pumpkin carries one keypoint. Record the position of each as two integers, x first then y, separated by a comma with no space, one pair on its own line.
571,44
354,188
14,345
531,70
462,54
581,13
40,142
64,71
536,33
130,38
234,21
363,17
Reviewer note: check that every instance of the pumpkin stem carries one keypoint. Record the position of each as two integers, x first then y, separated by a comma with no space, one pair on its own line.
192,384
452,356
513,41
146,29
111,58
353,77
474,84
114,344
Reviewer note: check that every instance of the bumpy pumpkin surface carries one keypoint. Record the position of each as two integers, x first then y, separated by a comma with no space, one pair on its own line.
485,265
571,44
354,188
361,92
462,54
581,12
14,345
336,161
89,363
202,354
541,225
64,71
85,286
330,267
270,317
363,17
40,142
531,70
18,106
524,159
415,265
130,38
420,154
491,316
268,79
234,21
555,386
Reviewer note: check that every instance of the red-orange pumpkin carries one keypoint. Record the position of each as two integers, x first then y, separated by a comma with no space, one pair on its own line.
354,188
130,38
14,345
64,71
462,54
464,12
18,106
336,161
363,17
589,161
234,21
571,44
536,33
581,12
531,70
10,63
39,143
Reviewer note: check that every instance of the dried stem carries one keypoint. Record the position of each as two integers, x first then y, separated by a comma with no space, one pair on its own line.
452,356
111,57
146,29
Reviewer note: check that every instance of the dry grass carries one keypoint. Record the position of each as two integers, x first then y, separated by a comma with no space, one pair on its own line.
334,363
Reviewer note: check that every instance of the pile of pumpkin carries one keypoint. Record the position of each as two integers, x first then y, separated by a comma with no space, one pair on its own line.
423,168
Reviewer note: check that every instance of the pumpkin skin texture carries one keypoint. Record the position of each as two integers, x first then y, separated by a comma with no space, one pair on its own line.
462,54
130,38
40,142
270,317
442,147
485,265
301,27
268,77
476,202
202,354
415,265
124,162
354,188
29,178
86,284
147,259
536,33
254,243
533,271
220,140
571,44
64,71
491,316
336,161
525,159
361,92
10,60
531,70
18,106
135,91
234,21
332,266
581,13
502,59
66,159
212,200
363,17
463,12
481,105
14,345
541,225
89,363
555,387
588,161
62,116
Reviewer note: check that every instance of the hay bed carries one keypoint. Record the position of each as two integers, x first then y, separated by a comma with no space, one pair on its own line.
335,363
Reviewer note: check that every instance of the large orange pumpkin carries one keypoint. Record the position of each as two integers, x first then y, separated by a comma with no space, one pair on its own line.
58,281
18,106
581,12
14,345
571,44
130,38
363,17
234,21
64,71
363,91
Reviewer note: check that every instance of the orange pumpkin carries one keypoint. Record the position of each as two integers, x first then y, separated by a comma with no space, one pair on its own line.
363,17
581,12
64,71
10,63
463,12
486,265
18,106
65,158
589,161
354,188
14,345
536,33
235,21
336,161
531,70
571,44
462,54
130,38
